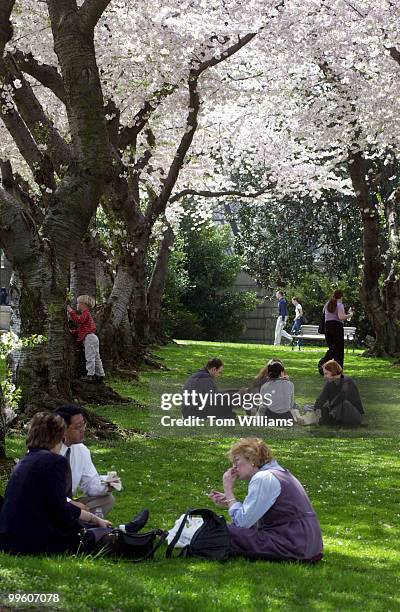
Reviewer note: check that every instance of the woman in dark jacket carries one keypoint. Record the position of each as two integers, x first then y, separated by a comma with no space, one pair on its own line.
36,517
339,390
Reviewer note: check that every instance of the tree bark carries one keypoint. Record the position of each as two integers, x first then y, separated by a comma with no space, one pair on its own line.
83,274
2,426
158,282
382,306
140,307
113,323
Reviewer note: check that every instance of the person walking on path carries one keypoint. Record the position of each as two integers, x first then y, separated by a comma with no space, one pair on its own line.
298,317
281,320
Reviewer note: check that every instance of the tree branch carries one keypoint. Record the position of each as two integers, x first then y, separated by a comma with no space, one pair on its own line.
91,11
41,168
18,235
214,61
191,125
157,207
219,194
7,177
35,118
59,10
395,54
6,30
19,189
129,134
46,74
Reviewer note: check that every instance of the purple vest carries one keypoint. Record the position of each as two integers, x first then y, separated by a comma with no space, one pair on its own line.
292,502
288,530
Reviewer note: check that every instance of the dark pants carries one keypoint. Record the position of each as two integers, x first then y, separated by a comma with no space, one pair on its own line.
275,415
15,545
334,335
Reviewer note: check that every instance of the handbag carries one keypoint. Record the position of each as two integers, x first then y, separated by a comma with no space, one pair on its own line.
118,543
210,541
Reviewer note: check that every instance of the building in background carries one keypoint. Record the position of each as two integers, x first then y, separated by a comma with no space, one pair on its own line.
260,323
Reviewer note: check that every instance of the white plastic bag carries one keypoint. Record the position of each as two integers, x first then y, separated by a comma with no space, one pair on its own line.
192,525
311,417
112,479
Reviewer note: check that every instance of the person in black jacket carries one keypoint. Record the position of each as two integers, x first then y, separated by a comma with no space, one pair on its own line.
36,517
338,388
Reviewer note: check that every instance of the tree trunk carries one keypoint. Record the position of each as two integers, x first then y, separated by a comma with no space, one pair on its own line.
41,250
113,324
382,314
157,284
2,426
139,303
141,324
83,274
104,280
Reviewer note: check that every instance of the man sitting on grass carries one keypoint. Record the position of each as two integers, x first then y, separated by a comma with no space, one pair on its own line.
205,397
83,473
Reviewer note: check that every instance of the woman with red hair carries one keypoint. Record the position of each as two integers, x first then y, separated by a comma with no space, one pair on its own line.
339,402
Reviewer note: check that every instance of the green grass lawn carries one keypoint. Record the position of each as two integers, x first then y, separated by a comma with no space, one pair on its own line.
353,482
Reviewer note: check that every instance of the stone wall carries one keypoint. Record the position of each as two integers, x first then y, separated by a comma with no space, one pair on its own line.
260,323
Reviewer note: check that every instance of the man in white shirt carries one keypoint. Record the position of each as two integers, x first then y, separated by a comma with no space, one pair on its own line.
84,475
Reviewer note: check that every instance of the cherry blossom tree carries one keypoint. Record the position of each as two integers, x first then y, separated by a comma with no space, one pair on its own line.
41,230
138,105
81,114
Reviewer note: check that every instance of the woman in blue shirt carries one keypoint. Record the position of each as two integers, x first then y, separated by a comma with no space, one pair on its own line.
276,520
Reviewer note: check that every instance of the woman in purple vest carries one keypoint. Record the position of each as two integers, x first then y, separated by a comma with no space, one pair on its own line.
276,520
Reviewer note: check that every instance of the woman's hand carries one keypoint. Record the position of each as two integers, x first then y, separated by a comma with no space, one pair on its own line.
229,478
219,499
102,522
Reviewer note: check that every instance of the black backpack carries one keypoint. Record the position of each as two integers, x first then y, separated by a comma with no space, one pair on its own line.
210,541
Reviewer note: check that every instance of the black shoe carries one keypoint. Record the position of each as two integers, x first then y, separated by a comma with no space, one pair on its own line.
99,380
88,378
138,522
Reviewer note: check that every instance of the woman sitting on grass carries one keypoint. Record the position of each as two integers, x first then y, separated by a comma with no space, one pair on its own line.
276,521
263,377
339,402
278,394
36,516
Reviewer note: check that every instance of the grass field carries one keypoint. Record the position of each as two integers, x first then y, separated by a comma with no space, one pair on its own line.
353,482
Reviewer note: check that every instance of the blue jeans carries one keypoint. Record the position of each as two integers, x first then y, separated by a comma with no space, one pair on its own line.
297,323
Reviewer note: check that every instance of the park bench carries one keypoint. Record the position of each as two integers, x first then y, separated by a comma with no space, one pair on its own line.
310,332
